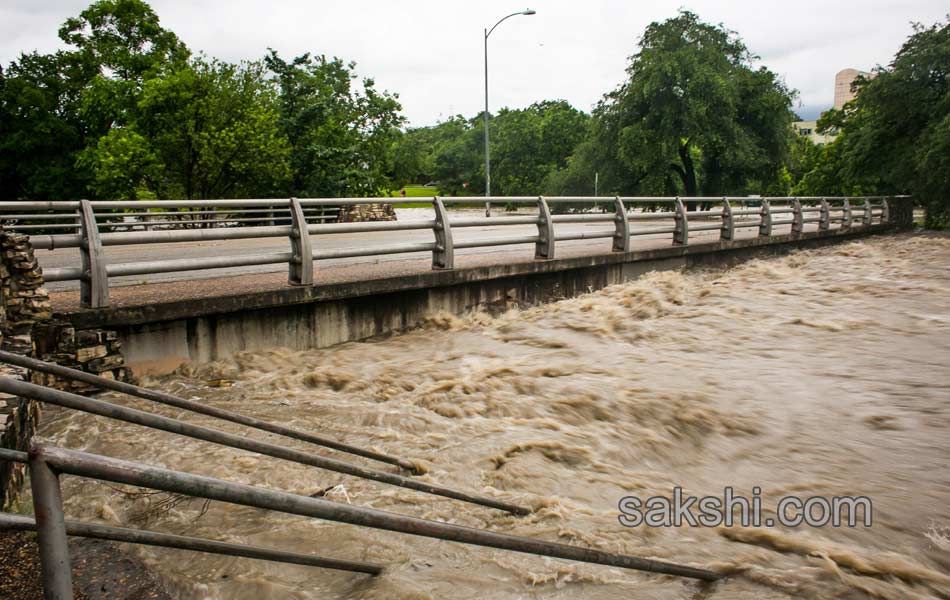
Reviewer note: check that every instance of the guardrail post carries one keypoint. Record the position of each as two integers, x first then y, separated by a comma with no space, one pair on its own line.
846,214
728,230
51,526
798,224
544,247
765,225
94,285
885,210
622,224
301,263
824,217
443,255
868,214
681,232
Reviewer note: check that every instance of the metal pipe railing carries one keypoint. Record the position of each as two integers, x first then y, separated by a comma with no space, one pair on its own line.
585,235
485,242
207,434
12,522
197,264
122,387
93,466
94,235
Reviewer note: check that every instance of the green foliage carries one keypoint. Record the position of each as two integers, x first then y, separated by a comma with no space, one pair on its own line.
527,146
126,112
896,132
41,133
55,108
122,163
693,118
449,153
205,129
340,137
123,39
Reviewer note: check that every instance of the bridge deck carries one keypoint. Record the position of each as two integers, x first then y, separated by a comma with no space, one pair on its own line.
212,284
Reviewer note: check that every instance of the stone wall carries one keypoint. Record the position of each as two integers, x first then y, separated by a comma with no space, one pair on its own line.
367,212
27,327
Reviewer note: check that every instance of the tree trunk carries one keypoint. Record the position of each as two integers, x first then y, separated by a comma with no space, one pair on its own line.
688,175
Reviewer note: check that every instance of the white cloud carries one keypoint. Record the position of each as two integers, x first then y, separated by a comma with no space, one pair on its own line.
430,52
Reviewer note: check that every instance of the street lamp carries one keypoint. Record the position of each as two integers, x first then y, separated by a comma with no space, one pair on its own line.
526,12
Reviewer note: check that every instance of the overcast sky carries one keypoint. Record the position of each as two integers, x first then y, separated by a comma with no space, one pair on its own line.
430,52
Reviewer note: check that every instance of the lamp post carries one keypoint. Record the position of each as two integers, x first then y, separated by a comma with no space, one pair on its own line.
526,12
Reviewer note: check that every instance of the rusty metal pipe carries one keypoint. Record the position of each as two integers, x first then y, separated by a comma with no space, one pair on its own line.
197,407
51,526
138,417
121,471
166,540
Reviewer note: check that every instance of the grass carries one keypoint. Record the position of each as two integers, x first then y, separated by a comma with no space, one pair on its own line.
414,191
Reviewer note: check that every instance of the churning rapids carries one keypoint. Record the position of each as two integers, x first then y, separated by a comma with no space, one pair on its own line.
823,372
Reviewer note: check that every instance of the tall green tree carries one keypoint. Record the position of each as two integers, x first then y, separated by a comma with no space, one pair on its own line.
896,132
41,130
121,44
340,132
695,116
55,108
206,129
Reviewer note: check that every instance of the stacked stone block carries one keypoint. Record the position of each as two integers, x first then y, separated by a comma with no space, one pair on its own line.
27,327
25,300
378,211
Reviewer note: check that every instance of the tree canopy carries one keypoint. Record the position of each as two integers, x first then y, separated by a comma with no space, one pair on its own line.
894,137
339,135
126,110
527,146
694,117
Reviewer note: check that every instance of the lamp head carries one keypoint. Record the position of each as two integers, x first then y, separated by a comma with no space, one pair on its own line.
529,11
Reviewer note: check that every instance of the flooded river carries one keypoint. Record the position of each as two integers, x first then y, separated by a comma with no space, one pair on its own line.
821,373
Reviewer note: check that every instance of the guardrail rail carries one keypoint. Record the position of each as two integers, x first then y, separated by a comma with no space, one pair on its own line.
625,219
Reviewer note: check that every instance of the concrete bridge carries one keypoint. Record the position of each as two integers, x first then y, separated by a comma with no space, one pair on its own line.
208,293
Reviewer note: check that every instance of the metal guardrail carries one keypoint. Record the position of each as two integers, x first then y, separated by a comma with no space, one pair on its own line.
726,214
47,463
222,438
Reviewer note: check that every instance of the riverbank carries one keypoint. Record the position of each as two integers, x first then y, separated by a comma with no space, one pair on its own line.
101,571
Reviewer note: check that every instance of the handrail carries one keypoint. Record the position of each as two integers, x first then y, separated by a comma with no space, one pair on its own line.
122,387
13,522
631,215
208,434
49,461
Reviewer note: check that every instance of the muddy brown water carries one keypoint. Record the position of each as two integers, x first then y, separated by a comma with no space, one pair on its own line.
823,372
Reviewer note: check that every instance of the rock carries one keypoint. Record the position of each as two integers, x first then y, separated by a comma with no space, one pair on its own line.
87,354
27,327
367,212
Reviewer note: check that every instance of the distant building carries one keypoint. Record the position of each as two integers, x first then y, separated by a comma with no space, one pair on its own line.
843,94
809,129
843,81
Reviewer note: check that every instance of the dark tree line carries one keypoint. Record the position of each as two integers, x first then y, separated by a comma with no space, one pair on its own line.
128,111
